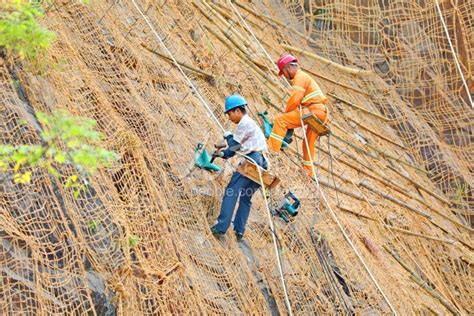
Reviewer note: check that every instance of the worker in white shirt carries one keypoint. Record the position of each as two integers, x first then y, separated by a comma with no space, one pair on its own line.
248,140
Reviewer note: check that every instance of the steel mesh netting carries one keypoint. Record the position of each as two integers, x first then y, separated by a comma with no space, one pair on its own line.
107,64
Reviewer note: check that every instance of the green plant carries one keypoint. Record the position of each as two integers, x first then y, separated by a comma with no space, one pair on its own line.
92,226
66,140
133,241
20,32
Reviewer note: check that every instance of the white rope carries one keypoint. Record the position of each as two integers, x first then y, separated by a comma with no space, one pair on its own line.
333,215
272,228
458,66
249,29
188,81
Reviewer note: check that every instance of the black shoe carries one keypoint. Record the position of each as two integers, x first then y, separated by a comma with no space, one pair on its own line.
217,233
239,236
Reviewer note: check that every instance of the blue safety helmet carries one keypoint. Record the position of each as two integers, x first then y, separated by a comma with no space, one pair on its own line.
233,101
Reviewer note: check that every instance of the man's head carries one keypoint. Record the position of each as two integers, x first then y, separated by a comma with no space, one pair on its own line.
288,65
236,114
235,107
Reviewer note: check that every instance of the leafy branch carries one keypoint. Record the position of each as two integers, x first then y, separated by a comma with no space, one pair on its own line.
20,32
67,140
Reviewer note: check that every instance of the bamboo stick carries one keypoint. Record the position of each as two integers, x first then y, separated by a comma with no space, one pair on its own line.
409,232
182,64
257,71
314,73
470,247
341,190
220,7
222,20
357,148
359,107
353,71
270,20
415,277
345,209
421,186
393,199
227,31
377,134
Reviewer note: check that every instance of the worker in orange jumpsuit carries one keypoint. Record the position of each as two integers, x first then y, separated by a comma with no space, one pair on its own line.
305,92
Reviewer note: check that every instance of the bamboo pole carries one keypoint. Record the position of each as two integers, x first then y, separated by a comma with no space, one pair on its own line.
359,107
415,277
225,24
393,199
347,210
470,247
314,73
182,64
409,232
421,186
398,229
352,71
274,22
258,72
377,134
227,31
220,7
357,148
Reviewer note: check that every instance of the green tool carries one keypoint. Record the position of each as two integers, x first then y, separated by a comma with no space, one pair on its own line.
267,130
202,159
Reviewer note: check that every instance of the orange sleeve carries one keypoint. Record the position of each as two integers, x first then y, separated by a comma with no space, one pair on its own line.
297,93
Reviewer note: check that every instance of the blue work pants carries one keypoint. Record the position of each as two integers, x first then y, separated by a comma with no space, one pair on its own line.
241,188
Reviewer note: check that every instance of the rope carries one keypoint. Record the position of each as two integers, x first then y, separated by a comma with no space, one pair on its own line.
333,215
195,90
249,29
381,220
458,66
272,228
188,81
341,228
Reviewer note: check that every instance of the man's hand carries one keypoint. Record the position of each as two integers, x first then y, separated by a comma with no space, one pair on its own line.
216,154
227,134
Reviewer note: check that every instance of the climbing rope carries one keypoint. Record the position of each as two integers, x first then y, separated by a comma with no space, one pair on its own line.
186,78
456,61
249,29
341,228
195,90
272,228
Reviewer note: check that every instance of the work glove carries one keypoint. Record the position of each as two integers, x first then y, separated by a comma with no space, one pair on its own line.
289,136
227,134
216,154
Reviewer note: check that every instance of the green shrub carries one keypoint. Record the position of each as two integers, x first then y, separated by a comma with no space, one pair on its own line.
20,32
67,140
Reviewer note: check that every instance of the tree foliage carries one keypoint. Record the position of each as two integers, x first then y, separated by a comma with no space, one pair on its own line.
66,140
20,32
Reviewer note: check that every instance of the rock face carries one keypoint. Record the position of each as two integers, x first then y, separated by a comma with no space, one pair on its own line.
395,177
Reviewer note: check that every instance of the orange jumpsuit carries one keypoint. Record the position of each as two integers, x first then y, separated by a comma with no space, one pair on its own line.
304,91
